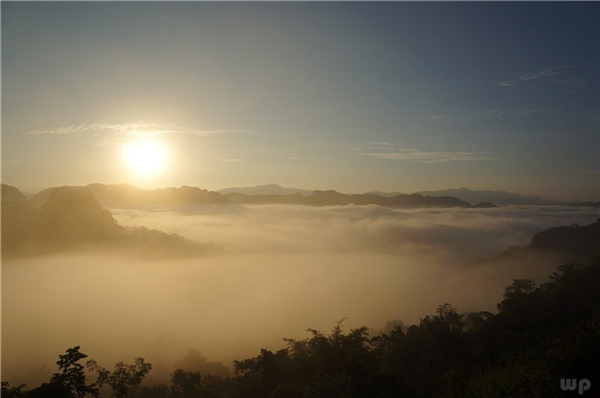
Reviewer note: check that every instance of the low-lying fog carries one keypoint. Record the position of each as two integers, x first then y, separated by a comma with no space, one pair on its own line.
282,269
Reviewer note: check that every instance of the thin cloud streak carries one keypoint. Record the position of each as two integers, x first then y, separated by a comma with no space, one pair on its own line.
416,155
544,75
138,129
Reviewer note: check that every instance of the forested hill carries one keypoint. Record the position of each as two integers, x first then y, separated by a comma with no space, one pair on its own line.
73,219
583,240
564,243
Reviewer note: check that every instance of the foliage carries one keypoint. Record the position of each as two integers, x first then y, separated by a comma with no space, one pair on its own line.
122,377
194,361
11,392
69,381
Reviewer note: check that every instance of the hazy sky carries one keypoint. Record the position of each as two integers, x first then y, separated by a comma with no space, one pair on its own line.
346,96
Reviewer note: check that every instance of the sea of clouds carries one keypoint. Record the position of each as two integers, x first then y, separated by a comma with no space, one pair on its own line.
278,270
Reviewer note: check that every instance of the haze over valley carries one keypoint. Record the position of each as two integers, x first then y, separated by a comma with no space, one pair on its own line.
227,278
300,199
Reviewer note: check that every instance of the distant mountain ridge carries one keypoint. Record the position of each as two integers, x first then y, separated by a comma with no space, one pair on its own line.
128,196
267,189
334,198
74,218
496,197
385,194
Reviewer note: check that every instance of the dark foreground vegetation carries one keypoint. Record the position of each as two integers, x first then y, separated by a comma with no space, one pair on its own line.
539,336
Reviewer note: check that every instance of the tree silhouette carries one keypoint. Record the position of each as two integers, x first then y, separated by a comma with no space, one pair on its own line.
186,384
12,392
69,381
194,361
122,377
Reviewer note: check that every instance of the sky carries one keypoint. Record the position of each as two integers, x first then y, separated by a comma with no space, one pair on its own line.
349,96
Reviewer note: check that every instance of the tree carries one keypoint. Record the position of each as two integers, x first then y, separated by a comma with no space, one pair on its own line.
194,361
186,384
69,381
122,377
11,392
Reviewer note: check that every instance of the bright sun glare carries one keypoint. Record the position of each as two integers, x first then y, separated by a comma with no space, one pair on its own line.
145,158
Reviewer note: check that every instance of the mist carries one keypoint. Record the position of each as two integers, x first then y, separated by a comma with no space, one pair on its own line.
278,271
305,229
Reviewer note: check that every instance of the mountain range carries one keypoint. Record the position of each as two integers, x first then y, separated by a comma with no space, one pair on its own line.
75,219
128,196
268,189
502,198
497,197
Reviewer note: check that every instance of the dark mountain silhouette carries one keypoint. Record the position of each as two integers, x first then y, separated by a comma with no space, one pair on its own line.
484,205
328,198
584,204
12,194
239,198
268,189
72,219
562,244
128,196
386,194
497,197
581,240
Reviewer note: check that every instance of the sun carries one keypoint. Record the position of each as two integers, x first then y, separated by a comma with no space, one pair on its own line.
145,158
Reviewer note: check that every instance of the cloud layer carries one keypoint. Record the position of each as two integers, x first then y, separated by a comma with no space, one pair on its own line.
290,228
282,270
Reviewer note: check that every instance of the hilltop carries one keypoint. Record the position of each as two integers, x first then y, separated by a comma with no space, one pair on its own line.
72,219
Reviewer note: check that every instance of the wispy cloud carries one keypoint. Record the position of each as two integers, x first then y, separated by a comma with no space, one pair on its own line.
432,117
299,158
547,75
379,144
416,155
541,74
137,129
384,146
506,113
229,160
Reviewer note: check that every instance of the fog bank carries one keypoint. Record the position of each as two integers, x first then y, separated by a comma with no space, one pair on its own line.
284,269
